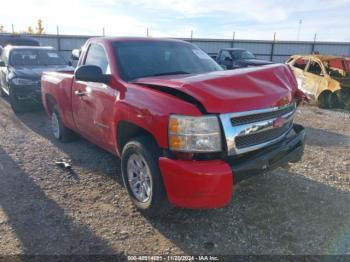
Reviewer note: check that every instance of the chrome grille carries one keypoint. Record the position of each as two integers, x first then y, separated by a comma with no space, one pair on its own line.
247,119
262,137
252,130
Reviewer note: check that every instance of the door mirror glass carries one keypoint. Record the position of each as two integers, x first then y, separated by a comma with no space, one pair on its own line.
2,64
91,73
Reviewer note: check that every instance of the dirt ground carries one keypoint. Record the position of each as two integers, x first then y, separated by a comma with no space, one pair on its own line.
45,209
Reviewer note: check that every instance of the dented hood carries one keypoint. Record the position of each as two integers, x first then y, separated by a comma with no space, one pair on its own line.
232,90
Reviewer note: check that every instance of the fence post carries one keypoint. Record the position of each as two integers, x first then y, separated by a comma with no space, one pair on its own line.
58,39
233,40
313,44
273,46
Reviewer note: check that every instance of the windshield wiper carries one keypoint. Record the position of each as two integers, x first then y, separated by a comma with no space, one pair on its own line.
172,73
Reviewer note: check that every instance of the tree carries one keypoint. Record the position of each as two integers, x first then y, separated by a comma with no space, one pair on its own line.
40,28
30,30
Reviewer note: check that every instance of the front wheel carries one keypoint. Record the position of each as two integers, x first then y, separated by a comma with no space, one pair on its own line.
142,177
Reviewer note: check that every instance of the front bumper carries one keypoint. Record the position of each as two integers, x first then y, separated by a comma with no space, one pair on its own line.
210,184
30,92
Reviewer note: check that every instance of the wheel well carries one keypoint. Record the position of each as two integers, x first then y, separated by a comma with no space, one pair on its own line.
51,102
127,131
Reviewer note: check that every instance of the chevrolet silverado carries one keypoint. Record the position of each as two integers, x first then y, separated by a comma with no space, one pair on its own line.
186,130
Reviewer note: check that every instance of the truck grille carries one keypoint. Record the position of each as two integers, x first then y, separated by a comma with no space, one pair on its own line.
252,130
262,137
247,119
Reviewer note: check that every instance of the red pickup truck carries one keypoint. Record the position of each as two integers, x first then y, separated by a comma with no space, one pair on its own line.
186,131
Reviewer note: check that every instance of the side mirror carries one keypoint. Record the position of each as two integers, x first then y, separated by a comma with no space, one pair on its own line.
76,54
70,63
91,73
228,59
2,64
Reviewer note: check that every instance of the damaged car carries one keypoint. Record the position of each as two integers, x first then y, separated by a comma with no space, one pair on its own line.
21,68
324,79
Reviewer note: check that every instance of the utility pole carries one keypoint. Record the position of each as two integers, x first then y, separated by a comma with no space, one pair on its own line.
147,32
103,31
191,35
13,29
299,29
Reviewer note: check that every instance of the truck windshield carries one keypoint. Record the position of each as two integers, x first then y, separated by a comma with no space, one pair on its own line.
35,57
241,55
138,59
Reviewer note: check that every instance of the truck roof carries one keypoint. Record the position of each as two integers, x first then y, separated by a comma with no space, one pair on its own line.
11,47
126,39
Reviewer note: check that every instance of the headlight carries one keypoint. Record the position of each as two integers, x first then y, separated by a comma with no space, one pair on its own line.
194,134
23,82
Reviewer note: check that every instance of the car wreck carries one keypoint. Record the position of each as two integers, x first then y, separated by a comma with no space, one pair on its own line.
324,79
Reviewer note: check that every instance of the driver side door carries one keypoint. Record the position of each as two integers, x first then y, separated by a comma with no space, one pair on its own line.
93,103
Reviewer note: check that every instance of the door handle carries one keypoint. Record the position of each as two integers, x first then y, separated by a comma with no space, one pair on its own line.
80,93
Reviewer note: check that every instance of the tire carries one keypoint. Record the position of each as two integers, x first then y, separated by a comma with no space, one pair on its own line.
17,105
140,167
324,99
59,130
335,101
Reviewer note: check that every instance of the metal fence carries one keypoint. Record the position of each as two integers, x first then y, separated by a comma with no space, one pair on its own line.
277,51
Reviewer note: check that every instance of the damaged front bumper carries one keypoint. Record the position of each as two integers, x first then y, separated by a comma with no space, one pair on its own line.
290,149
30,92
210,183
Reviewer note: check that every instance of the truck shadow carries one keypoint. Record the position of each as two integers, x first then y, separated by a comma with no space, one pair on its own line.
39,223
320,137
279,213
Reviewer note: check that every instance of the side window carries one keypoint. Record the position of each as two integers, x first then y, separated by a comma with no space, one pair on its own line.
314,68
224,54
300,63
96,56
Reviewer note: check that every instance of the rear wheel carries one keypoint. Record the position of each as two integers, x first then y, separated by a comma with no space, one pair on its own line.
142,177
59,130
334,100
324,99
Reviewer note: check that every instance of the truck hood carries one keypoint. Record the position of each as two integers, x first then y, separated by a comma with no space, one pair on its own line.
233,90
253,62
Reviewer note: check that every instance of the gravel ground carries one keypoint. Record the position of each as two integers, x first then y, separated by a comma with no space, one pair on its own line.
45,209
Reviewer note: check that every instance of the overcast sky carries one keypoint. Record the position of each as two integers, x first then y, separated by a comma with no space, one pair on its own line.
250,19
